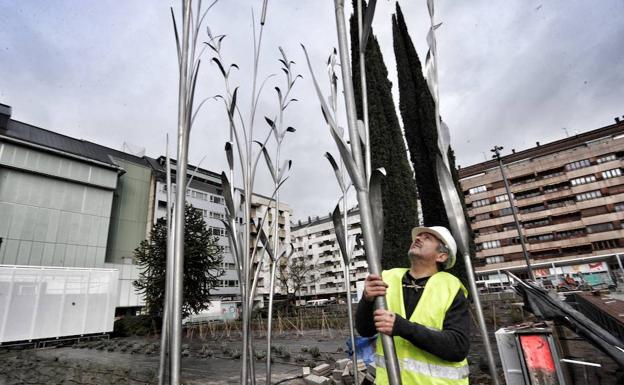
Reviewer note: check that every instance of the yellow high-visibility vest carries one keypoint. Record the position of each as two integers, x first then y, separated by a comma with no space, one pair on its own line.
418,366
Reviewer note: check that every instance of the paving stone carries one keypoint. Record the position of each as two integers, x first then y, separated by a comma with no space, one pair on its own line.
313,379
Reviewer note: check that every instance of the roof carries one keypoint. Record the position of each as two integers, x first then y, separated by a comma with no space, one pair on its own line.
53,140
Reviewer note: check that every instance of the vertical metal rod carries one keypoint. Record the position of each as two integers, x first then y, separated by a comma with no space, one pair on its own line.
367,148
166,321
347,272
370,243
525,253
275,261
479,310
183,142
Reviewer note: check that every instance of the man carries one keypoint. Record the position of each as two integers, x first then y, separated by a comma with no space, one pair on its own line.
427,313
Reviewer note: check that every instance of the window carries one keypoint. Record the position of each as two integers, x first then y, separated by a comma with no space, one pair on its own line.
531,209
606,158
619,207
504,211
527,194
481,202
476,190
583,180
502,198
600,227
490,244
588,195
570,234
199,195
611,173
494,259
482,217
541,238
217,231
215,215
536,223
578,164
217,199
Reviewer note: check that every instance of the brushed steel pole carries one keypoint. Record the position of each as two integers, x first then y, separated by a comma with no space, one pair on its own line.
180,199
366,217
166,321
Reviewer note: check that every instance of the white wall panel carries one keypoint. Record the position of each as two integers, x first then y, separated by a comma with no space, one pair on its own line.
48,302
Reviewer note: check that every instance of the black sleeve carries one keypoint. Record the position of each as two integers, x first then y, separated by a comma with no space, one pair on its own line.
364,322
451,343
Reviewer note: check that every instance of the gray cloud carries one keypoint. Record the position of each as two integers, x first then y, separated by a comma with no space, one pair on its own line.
511,74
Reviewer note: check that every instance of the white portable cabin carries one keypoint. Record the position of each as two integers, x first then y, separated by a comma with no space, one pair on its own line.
41,302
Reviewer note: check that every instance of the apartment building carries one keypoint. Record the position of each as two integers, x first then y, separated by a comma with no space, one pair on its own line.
263,211
315,243
204,193
569,196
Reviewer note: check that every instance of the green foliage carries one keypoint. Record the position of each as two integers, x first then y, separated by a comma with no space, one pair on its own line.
202,264
400,205
419,121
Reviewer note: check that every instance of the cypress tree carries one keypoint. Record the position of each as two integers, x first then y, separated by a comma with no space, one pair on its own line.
419,122
387,150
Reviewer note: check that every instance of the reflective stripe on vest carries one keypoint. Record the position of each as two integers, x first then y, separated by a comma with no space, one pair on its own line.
427,369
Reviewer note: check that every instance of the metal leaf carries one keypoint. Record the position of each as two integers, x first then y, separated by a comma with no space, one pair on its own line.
324,107
453,206
361,132
279,94
347,159
290,129
233,104
265,241
340,233
227,194
376,203
229,154
334,165
367,24
214,59
269,163
284,169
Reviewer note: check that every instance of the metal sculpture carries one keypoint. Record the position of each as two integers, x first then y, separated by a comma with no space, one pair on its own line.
341,226
452,204
249,253
188,66
371,213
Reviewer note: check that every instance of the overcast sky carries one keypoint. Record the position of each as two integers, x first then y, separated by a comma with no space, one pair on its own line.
511,73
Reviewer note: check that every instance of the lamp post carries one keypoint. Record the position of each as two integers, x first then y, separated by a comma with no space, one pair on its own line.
525,253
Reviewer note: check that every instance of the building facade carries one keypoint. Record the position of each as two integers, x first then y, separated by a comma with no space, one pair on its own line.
569,196
66,202
315,244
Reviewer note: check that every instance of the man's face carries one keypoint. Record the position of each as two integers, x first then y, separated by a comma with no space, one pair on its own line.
425,247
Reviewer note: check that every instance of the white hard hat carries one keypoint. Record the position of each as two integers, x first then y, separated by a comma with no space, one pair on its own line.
444,236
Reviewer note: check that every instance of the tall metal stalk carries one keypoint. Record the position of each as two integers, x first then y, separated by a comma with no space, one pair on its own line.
371,242
341,229
452,204
250,256
362,51
164,366
183,142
